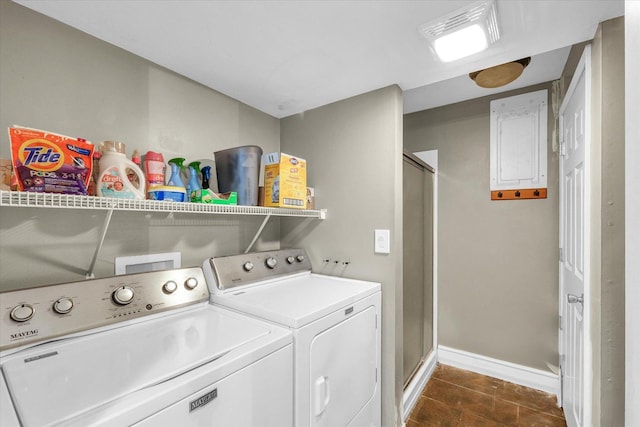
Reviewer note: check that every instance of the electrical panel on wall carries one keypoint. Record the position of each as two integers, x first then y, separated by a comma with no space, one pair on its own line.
519,147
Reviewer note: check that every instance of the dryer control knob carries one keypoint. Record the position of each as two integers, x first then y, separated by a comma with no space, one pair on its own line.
123,295
191,283
271,262
63,305
247,266
169,287
300,258
22,312
290,260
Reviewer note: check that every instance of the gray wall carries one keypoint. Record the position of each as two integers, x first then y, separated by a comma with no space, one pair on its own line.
498,260
56,78
354,148
608,231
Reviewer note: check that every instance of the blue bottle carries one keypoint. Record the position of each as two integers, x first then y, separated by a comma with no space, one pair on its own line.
176,168
194,184
206,176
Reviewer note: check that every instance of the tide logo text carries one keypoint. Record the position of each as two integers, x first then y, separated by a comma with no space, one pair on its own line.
41,155
35,155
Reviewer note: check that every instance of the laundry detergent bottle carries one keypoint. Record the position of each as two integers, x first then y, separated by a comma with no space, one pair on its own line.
113,179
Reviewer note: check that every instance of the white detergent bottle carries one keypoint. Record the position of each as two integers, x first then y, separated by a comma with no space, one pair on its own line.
113,180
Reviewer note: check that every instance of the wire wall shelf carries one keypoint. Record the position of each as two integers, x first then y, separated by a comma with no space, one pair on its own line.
109,205
68,201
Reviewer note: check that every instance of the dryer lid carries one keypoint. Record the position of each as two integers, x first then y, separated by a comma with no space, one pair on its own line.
298,300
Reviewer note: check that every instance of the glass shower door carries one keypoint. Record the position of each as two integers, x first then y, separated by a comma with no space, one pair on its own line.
418,267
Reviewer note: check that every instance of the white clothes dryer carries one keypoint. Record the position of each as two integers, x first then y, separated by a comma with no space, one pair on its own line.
335,324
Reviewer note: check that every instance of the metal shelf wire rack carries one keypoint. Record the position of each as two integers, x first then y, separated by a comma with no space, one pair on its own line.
69,201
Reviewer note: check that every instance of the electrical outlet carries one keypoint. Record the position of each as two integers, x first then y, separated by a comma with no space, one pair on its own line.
382,242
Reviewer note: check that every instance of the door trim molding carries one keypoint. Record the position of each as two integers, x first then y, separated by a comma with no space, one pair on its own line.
632,222
501,369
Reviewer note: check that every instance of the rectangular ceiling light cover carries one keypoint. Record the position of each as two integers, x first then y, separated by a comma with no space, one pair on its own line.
463,32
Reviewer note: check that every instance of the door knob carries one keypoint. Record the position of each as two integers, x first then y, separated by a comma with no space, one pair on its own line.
572,299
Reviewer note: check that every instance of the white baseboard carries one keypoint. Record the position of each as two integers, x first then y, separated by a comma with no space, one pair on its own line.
417,384
507,371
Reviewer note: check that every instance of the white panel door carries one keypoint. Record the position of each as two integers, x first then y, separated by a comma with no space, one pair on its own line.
343,370
574,120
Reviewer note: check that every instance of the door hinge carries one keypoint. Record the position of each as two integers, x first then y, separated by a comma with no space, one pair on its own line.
561,254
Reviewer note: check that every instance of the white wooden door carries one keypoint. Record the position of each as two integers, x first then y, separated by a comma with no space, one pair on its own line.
574,244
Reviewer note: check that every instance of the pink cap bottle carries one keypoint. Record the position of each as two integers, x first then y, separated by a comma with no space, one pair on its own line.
154,168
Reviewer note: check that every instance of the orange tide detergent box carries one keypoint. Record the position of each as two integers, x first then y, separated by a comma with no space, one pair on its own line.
50,163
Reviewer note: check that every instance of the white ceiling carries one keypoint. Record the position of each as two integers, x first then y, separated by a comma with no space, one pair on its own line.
285,57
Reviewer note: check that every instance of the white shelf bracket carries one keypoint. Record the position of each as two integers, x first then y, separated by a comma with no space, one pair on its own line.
103,234
255,238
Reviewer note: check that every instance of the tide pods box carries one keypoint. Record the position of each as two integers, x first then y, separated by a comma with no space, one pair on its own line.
51,163
285,181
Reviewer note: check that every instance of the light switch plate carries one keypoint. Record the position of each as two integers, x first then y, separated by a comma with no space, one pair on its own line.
382,242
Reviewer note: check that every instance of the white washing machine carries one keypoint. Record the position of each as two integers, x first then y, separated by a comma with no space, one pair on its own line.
335,324
144,349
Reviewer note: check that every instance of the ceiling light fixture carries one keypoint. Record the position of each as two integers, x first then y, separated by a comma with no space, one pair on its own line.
463,32
500,75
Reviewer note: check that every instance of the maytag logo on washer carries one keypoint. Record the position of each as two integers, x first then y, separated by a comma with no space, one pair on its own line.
24,334
203,400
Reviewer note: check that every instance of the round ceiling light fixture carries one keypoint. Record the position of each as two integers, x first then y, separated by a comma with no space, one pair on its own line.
500,75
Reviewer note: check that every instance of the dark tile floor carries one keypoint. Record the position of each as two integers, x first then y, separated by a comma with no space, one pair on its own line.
454,397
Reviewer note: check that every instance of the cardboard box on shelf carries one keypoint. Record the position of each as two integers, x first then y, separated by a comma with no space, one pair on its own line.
6,170
311,198
285,181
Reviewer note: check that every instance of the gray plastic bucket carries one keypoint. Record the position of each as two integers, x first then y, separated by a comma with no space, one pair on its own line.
238,169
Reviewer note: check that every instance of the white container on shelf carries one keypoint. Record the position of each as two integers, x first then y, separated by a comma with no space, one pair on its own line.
115,171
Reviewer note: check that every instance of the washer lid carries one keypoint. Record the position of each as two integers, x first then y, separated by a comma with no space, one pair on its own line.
59,381
7,415
298,300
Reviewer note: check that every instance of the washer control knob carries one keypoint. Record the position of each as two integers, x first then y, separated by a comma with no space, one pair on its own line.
191,283
22,312
63,305
271,262
300,258
169,287
290,259
123,295
248,266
